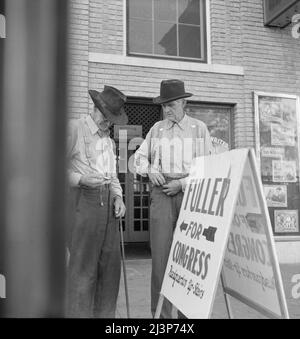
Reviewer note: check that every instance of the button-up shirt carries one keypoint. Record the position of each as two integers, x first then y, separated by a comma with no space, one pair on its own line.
170,147
91,151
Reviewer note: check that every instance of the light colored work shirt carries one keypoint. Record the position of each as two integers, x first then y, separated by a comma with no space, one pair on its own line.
169,148
91,151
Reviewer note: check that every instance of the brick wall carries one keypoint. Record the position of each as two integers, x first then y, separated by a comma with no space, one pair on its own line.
226,33
106,26
238,37
270,58
78,57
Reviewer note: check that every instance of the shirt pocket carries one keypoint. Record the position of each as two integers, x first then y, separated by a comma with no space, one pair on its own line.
88,147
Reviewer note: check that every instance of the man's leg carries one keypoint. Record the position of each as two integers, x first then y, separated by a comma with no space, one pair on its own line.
109,270
162,221
85,244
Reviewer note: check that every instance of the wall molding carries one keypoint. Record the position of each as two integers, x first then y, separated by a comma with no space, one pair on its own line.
116,59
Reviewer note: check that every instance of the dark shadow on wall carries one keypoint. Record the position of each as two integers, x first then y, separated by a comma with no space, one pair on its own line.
32,149
2,12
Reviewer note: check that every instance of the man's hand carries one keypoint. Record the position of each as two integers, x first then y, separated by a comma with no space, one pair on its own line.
172,188
157,179
92,180
120,208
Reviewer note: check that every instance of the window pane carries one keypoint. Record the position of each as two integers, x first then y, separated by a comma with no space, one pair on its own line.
140,36
137,201
165,39
165,10
145,225
137,225
136,187
145,200
167,28
140,9
137,213
217,119
121,177
189,11
189,41
145,213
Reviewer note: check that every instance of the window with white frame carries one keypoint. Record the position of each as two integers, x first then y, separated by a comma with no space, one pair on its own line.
174,29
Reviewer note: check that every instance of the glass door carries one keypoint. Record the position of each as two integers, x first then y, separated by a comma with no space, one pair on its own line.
136,192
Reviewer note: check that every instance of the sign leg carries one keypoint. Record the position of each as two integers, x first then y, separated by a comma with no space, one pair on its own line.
124,268
159,306
227,300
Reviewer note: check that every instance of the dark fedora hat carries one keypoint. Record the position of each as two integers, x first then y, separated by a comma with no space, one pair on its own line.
171,90
111,103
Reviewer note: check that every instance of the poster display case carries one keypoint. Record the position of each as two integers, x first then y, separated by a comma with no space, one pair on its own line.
218,120
277,149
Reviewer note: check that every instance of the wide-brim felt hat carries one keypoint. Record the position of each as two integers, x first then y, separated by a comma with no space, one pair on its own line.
111,103
171,90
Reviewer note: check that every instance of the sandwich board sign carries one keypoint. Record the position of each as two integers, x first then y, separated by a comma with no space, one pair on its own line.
223,230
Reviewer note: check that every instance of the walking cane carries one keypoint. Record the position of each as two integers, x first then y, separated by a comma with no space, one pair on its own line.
124,268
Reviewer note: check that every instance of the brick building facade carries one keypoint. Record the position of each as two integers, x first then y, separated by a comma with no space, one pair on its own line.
243,55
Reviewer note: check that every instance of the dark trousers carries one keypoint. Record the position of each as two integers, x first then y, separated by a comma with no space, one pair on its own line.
95,260
164,212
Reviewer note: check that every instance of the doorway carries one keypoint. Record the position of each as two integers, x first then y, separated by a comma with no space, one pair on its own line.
136,189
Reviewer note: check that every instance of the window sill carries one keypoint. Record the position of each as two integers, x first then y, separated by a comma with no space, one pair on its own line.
116,59
286,238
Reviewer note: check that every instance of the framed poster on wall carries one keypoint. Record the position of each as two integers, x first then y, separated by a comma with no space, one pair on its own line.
277,149
218,119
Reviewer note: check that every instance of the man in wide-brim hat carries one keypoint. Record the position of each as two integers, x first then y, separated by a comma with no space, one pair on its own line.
165,157
93,242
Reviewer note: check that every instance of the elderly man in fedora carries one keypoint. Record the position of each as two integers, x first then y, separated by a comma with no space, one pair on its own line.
166,156
94,243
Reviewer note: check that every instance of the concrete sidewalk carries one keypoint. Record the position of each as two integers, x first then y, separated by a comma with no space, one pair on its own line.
139,280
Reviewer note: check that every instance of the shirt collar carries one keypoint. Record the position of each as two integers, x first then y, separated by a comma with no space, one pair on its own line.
91,124
182,123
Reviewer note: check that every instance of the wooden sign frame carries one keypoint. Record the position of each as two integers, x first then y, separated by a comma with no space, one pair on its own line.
230,292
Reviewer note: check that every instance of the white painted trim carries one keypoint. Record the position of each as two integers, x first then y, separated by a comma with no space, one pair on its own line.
116,59
283,238
208,32
270,94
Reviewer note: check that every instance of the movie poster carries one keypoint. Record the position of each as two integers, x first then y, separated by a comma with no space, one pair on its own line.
284,171
286,221
270,111
276,196
282,135
277,147
272,152
266,169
